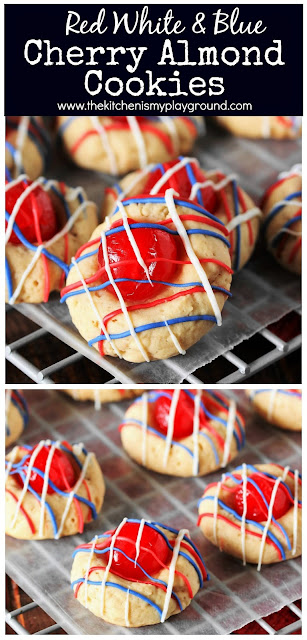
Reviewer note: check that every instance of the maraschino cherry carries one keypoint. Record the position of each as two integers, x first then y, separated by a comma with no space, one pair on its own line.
153,552
62,472
158,249
256,508
36,211
180,182
183,424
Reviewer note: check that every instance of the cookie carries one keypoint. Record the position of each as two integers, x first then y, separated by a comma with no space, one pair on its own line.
282,209
279,127
99,396
27,147
217,193
254,513
281,407
118,144
51,490
152,280
16,416
46,222
183,433
138,574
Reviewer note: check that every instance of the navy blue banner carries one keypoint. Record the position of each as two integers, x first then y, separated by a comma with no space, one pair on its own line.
203,59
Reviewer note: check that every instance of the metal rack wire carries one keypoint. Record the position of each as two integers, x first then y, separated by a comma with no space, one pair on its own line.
19,629
241,369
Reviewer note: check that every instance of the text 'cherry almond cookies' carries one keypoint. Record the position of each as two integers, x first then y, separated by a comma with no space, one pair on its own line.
281,407
255,513
45,223
183,433
118,144
282,210
52,490
153,278
280,127
138,574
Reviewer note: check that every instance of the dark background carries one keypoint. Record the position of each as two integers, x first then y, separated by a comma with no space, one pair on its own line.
37,89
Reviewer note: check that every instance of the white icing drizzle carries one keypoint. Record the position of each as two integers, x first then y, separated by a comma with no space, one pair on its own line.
217,186
175,339
69,224
74,491
142,173
88,570
169,199
137,133
34,455
105,143
170,425
10,463
232,411
243,519
94,308
45,486
169,123
97,401
132,241
295,512
272,399
138,540
144,426
169,173
197,400
270,514
243,217
106,573
266,126
172,569
120,297
295,170
215,507
127,621
22,133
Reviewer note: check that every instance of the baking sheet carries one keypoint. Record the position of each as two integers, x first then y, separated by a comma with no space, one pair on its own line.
234,596
262,292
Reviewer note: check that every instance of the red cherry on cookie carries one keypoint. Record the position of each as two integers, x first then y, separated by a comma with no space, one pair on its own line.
36,211
183,424
153,244
256,508
153,552
62,472
181,183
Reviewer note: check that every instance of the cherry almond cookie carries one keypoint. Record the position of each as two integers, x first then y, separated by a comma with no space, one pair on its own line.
118,144
153,278
255,513
217,193
282,209
52,490
27,146
281,407
138,574
183,433
16,416
280,127
45,223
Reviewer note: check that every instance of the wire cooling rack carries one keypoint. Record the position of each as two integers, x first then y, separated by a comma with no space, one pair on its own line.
234,596
263,292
